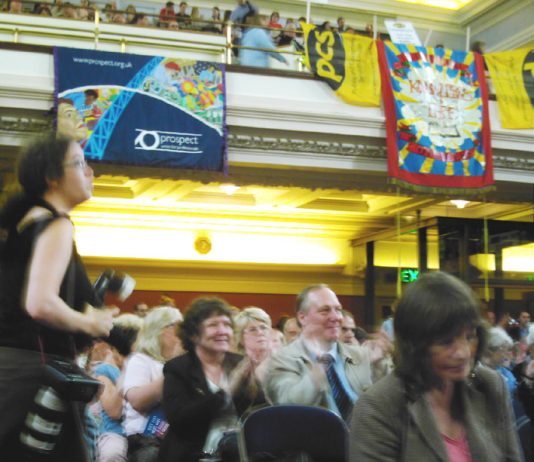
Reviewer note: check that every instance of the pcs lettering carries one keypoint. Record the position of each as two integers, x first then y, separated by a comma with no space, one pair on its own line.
327,56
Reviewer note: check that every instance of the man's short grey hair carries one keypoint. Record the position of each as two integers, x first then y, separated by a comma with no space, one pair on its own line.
302,298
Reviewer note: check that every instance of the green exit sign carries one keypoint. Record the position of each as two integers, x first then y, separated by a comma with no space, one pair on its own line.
409,274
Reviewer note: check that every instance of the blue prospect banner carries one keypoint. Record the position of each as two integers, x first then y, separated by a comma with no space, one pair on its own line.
142,110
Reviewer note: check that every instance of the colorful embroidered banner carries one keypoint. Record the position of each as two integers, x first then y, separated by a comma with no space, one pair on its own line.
437,123
142,110
347,62
512,74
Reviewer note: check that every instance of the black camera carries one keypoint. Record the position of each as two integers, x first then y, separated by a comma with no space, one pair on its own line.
115,282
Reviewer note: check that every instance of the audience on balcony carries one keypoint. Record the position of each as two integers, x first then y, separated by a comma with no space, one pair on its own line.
167,15
215,25
42,9
140,19
182,18
341,27
15,6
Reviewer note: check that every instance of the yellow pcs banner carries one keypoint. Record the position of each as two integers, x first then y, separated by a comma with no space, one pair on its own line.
512,74
347,62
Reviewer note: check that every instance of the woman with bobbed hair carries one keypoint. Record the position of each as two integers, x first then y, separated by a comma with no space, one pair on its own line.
253,339
142,385
440,404
196,397
46,297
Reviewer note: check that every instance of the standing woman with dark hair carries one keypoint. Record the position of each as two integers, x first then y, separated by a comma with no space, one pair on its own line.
440,404
45,295
196,397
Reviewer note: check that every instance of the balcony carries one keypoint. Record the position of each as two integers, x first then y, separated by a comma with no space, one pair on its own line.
309,171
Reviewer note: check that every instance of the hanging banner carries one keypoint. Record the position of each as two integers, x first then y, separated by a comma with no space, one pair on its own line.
142,110
437,123
347,62
512,74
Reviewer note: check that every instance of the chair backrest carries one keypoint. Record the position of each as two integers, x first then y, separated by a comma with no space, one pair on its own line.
274,432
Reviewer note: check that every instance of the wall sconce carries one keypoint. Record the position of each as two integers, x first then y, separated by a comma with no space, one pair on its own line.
203,245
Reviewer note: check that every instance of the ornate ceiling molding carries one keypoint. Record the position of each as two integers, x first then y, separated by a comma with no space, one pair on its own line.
276,145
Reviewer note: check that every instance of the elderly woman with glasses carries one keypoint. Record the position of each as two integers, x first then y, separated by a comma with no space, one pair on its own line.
253,339
440,404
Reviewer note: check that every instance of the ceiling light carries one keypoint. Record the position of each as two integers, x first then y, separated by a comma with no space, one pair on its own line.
229,188
459,203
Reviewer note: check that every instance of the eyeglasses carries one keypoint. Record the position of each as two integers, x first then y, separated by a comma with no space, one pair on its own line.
256,330
79,163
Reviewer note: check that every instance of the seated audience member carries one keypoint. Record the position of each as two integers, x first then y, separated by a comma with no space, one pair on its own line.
439,404
112,445
326,25
196,22
348,326
142,385
253,338
173,25
291,330
287,36
274,23
524,373
141,309
524,324
141,19
130,14
42,9
196,397
341,24
119,18
69,11
165,300
108,13
277,340
317,369
182,18
387,324
274,20
15,6
166,15
83,10
57,9
499,357
216,25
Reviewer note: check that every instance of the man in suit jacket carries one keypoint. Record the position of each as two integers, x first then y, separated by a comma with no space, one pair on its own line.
297,374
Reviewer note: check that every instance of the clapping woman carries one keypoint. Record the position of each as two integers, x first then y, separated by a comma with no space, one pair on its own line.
253,339
440,404
196,399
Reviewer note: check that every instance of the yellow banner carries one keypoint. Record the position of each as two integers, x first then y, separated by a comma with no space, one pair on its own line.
512,74
347,62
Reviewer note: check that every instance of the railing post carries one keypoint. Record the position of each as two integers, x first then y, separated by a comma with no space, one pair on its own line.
97,22
228,26
16,35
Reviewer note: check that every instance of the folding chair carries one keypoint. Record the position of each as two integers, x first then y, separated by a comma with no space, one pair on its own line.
276,433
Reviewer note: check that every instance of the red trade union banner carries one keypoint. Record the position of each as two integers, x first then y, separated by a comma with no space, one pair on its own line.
437,123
